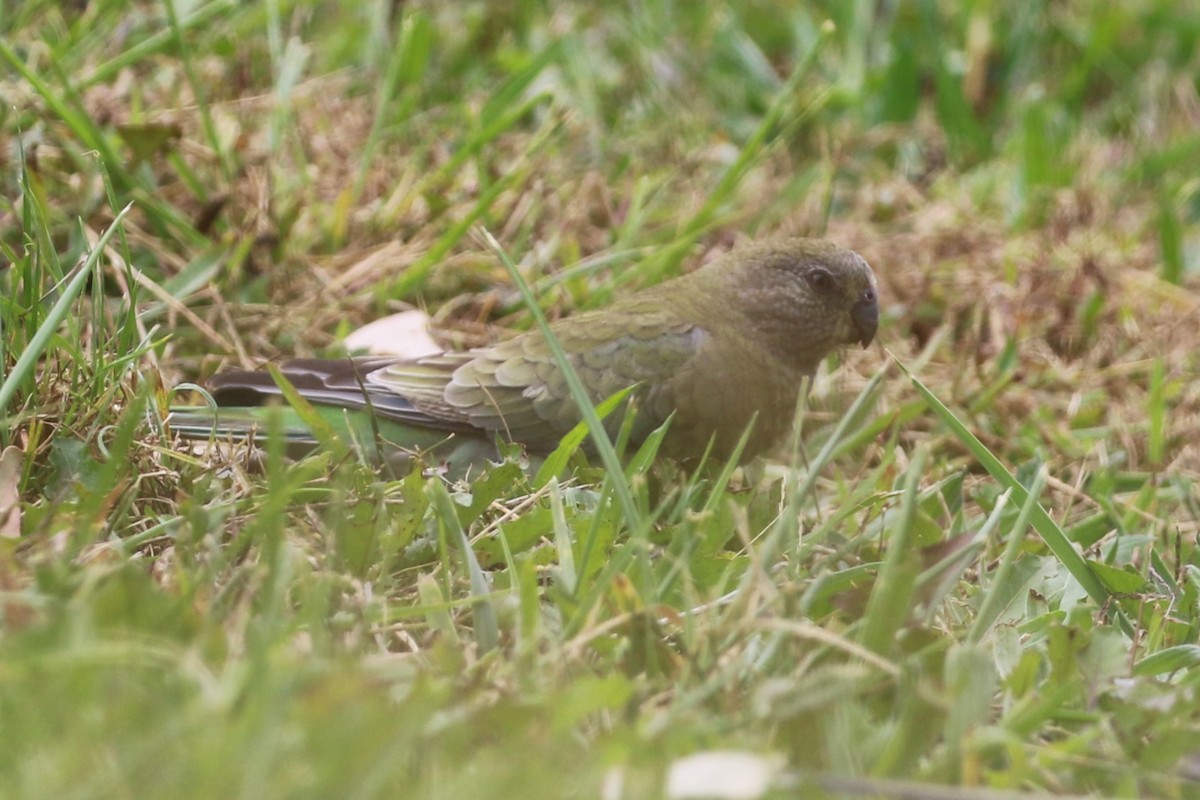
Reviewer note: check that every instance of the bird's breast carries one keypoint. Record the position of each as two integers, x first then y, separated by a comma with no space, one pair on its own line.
729,386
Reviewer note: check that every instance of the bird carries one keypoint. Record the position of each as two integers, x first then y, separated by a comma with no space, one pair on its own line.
718,354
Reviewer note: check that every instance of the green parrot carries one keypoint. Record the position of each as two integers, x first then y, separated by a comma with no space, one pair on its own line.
719,351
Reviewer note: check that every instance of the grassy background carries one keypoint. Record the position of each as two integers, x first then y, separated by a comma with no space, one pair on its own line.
1023,177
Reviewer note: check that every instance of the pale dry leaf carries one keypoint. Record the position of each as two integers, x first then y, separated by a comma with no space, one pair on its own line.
405,335
10,496
721,775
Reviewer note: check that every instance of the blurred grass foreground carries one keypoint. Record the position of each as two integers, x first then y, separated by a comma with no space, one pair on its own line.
973,574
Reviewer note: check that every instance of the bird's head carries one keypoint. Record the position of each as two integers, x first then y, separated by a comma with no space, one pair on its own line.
807,297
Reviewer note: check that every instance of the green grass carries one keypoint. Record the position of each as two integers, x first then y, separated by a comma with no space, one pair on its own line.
974,570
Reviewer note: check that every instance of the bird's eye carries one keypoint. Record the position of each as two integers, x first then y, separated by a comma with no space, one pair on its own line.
820,280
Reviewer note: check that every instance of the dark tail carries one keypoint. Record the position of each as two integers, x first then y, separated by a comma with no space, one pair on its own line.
342,383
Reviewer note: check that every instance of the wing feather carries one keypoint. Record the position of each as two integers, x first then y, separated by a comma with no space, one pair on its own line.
513,388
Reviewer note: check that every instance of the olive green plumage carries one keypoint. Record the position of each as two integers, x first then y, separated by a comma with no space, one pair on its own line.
720,347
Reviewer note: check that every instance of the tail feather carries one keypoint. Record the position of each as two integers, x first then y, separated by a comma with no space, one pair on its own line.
382,441
340,383
383,424
203,422
251,387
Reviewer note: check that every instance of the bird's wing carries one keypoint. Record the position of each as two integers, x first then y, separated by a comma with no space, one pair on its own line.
515,388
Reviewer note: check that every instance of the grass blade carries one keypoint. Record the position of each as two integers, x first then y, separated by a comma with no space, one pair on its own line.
25,363
487,629
1050,531
601,441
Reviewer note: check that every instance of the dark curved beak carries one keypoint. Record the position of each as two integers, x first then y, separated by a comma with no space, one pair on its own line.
866,316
